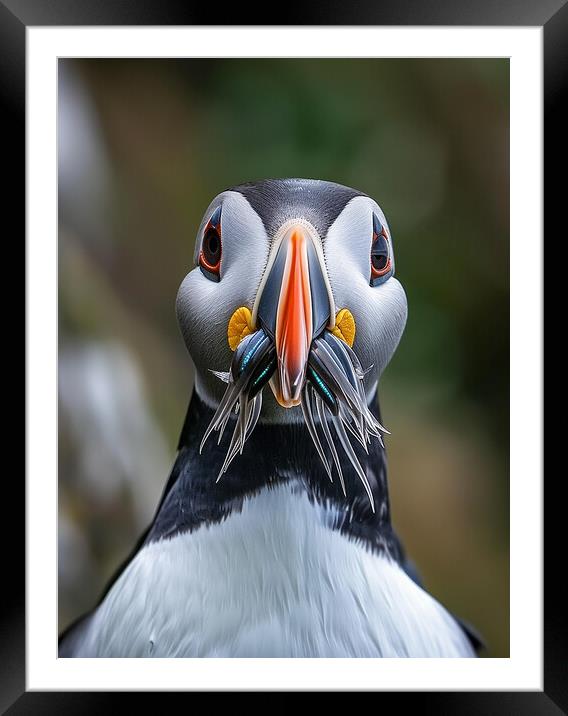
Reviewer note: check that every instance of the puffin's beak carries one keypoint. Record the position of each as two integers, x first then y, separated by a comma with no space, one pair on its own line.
294,308
293,321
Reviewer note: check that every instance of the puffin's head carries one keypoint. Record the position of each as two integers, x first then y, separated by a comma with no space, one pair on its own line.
293,288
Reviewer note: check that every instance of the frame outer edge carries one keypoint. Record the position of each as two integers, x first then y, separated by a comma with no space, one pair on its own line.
13,15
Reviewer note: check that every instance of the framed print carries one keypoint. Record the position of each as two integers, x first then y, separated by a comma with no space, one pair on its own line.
213,169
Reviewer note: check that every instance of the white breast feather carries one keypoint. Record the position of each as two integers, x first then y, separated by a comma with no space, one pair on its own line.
271,581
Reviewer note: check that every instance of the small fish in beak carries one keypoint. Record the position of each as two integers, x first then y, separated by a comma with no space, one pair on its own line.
284,342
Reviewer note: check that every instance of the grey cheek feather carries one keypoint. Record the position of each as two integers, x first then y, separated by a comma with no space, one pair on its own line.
380,312
202,330
380,321
204,307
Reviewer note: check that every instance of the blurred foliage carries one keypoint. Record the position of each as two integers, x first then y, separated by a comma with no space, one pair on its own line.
144,145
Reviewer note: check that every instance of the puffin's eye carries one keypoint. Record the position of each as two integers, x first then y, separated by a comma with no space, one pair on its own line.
210,254
381,260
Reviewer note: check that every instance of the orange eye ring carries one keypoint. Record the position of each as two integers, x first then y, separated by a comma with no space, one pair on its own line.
382,271
212,268
211,247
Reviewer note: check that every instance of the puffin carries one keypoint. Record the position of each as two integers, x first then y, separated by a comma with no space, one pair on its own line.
273,534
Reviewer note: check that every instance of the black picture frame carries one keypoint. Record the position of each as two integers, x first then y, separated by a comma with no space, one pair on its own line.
15,16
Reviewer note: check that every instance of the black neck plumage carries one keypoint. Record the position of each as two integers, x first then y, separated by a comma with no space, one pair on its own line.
273,455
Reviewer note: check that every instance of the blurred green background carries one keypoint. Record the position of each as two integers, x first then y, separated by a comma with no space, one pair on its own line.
144,145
